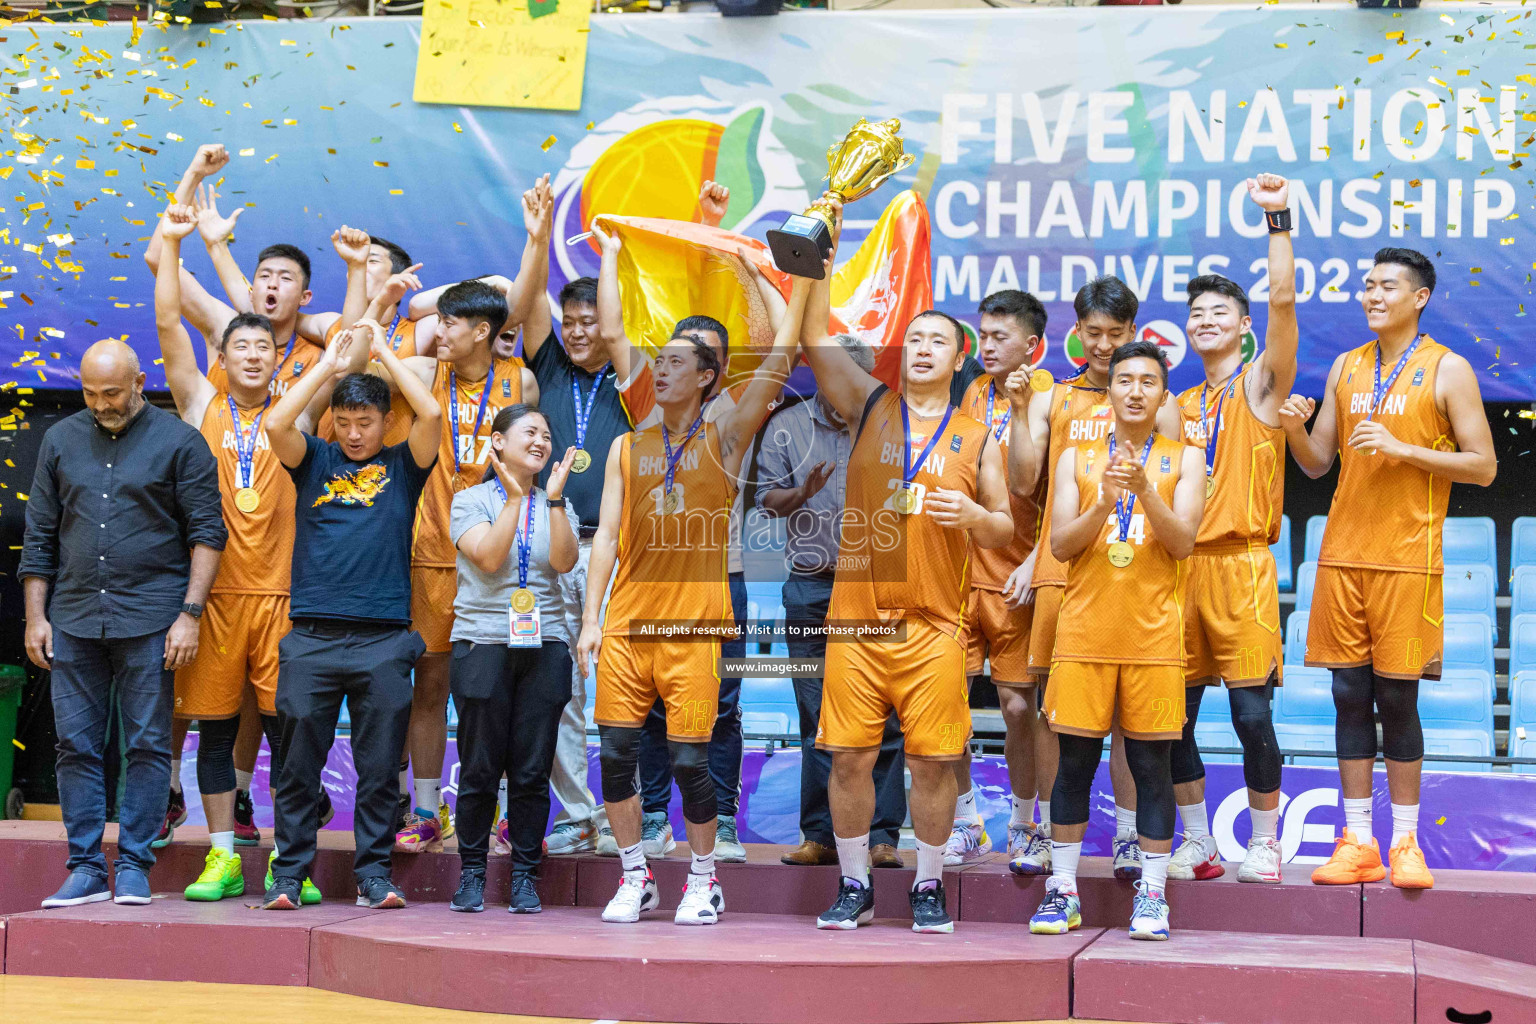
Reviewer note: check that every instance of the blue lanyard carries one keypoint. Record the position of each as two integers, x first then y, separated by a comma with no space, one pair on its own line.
1001,428
1126,504
524,536
245,446
672,460
389,336
908,467
453,409
1212,430
1378,392
286,353
584,412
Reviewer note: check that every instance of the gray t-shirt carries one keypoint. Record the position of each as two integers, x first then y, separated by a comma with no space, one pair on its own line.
480,607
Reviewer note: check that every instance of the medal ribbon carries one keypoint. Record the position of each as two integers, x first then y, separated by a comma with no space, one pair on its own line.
389,335
1378,392
584,412
1124,507
674,459
524,536
1002,428
286,353
453,409
908,467
1213,430
245,446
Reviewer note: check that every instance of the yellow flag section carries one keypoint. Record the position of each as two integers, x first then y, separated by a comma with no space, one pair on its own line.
669,269
515,53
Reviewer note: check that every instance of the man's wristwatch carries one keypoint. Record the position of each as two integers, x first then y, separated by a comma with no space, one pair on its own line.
194,610
555,502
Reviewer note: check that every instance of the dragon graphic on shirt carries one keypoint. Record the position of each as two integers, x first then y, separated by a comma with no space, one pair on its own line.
359,487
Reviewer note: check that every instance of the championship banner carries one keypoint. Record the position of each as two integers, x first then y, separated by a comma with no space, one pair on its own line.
1050,146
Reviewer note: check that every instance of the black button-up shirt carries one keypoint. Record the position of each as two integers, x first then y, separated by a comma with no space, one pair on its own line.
112,519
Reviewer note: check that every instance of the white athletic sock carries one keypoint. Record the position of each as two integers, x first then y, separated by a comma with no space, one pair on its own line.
1125,822
930,863
1405,819
965,806
703,864
222,841
429,793
176,773
405,778
1064,857
853,857
1357,817
1266,824
243,780
1045,815
501,799
632,858
1196,824
1021,812
1154,870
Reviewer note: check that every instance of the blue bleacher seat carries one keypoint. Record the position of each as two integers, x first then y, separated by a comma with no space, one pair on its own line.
1522,548
1462,698
768,707
1522,646
1214,727
1459,742
1296,638
1469,590
1522,719
1469,643
1308,737
1306,582
1306,698
1523,589
1281,549
1469,539
765,604
1314,537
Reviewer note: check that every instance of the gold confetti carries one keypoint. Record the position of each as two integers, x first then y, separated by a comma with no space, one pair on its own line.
457,128
247,152
549,144
287,42
397,191
1375,59
82,164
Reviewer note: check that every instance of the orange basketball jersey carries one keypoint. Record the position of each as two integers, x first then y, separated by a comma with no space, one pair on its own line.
1130,615
1079,414
433,546
892,566
672,552
1389,515
1250,467
992,566
258,557
300,358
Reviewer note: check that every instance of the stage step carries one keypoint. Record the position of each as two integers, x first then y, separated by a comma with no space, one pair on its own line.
1489,912
1470,985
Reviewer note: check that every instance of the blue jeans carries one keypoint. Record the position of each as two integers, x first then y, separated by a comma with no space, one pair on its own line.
86,674
724,742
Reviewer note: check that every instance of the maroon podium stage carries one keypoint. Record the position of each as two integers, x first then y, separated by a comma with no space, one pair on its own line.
1240,954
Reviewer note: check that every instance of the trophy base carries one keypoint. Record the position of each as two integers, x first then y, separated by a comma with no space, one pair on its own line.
800,246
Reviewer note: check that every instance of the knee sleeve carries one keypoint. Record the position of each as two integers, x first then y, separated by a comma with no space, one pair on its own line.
1255,725
216,755
1354,728
620,754
1402,735
1074,778
1148,761
1185,758
690,767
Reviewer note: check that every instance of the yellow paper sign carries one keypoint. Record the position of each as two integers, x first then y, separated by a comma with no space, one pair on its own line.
512,53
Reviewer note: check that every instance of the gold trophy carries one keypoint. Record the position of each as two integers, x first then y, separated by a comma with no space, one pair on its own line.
868,154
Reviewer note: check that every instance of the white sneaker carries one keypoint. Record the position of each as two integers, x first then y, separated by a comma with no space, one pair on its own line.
637,895
607,846
703,901
1149,914
570,837
1262,862
728,848
967,841
1127,860
656,835
1197,859
1029,850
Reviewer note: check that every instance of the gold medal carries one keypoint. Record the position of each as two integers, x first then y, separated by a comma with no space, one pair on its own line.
581,461
523,600
1210,486
458,483
247,499
1041,380
905,501
1121,554
670,503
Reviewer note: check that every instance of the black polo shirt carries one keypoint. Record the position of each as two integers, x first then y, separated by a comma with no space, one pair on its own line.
555,372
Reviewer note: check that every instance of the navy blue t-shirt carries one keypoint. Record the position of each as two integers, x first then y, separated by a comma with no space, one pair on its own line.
352,535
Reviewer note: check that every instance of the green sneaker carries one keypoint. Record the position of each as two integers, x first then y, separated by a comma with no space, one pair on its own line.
308,897
221,877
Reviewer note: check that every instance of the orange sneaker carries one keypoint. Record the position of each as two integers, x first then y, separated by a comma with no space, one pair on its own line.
1408,868
1352,862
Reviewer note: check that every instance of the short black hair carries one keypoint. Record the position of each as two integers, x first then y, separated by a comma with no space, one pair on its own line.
475,300
1221,286
399,259
954,324
240,320
1107,295
1140,350
703,353
503,423
698,322
1416,263
284,251
1025,309
361,391
582,291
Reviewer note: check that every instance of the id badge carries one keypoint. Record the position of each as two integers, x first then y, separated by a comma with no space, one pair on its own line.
524,628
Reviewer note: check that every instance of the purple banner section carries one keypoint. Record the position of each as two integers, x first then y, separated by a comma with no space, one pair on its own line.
1481,821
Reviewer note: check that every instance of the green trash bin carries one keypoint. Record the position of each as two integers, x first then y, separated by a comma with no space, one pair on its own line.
12,680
